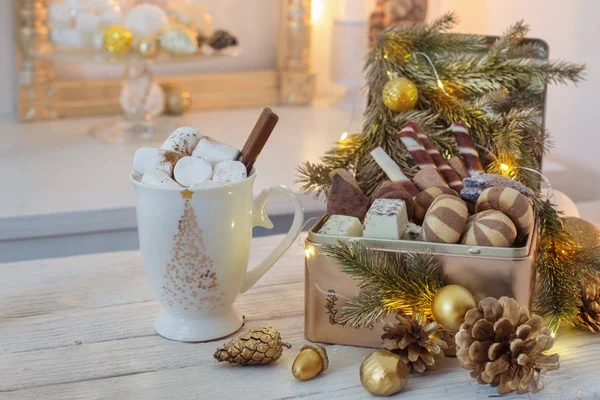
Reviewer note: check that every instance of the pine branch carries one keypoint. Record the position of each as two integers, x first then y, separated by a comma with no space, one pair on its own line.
396,285
557,264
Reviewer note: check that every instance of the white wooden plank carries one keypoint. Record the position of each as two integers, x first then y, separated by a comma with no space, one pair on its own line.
119,356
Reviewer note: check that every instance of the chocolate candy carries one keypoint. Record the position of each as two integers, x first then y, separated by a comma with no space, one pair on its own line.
512,203
393,171
445,220
395,190
342,225
489,228
458,165
345,197
424,199
451,177
412,232
429,176
386,219
475,185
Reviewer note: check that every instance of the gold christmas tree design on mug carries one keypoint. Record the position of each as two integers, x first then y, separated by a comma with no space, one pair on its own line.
191,281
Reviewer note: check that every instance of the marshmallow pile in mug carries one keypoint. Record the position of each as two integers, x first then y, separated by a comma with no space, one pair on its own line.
189,159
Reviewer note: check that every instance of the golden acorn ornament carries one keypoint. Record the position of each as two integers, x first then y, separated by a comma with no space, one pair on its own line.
450,305
383,373
148,48
310,362
400,94
414,339
117,39
503,345
255,347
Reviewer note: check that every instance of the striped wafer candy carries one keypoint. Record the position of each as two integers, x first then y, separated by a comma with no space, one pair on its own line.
453,179
424,199
512,203
445,220
489,228
409,137
467,149
458,166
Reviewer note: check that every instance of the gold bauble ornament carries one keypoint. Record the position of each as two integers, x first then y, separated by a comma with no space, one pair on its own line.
177,101
450,305
148,48
400,94
117,39
583,232
310,362
383,373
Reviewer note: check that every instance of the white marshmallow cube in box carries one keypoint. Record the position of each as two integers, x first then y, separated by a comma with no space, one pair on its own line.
342,225
183,140
229,172
157,177
190,171
214,151
147,158
386,219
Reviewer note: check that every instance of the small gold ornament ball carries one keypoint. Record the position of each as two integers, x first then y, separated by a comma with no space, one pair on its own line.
450,305
117,39
148,48
583,232
177,101
400,94
310,362
383,373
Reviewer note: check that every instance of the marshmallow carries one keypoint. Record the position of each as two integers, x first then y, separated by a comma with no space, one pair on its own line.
229,172
207,185
214,151
183,140
190,171
342,225
386,219
146,159
146,20
157,177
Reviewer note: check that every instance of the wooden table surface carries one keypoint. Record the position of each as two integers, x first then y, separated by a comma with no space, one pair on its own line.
81,328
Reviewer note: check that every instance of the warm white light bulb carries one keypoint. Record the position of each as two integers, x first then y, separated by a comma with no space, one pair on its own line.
344,136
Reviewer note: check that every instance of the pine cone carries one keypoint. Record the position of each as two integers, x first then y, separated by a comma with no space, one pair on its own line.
589,311
413,339
258,346
222,39
503,345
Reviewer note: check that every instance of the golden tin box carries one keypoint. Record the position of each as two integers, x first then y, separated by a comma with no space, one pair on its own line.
485,271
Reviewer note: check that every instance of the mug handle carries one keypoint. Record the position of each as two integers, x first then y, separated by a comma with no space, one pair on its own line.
260,218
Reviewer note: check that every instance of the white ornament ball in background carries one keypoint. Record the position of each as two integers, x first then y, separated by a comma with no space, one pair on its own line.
563,203
146,20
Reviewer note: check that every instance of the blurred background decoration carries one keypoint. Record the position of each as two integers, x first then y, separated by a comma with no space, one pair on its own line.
71,53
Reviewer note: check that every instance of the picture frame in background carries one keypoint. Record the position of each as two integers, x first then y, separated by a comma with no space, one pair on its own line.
40,96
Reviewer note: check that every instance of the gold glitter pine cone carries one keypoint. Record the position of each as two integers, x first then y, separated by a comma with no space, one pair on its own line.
589,311
257,346
414,340
503,346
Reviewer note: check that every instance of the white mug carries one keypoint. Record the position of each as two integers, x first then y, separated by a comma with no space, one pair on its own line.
195,245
